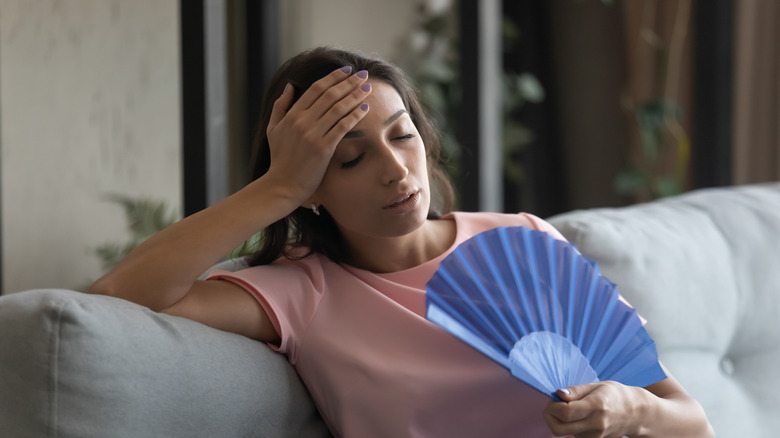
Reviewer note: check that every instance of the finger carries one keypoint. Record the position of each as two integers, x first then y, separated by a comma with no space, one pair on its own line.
552,414
346,123
573,407
331,97
559,428
281,106
566,413
318,88
347,104
577,392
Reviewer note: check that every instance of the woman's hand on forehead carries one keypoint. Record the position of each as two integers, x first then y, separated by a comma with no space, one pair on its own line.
303,137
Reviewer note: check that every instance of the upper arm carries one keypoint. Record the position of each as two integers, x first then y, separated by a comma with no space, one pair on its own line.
226,306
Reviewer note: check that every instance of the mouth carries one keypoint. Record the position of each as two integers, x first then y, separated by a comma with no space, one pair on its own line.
407,200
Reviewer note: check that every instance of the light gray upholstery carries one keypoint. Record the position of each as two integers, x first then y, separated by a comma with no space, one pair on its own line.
74,365
704,270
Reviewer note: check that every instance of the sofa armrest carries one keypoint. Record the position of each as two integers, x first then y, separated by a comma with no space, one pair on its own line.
78,365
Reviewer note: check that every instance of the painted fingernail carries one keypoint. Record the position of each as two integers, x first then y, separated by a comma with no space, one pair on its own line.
347,69
362,74
364,107
366,87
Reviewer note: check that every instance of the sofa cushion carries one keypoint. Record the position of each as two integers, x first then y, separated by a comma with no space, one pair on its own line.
703,269
78,365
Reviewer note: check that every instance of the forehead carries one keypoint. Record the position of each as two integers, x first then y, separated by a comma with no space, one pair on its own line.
384,101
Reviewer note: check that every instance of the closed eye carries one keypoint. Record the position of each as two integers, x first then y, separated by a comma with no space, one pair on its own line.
405,137
353,163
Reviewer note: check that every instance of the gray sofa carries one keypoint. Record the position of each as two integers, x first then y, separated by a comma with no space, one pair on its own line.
703,268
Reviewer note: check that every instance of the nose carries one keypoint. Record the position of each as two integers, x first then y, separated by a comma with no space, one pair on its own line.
394,169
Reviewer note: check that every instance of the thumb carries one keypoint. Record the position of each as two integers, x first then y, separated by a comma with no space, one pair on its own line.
573,393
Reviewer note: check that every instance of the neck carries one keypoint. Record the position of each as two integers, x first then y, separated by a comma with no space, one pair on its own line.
392,254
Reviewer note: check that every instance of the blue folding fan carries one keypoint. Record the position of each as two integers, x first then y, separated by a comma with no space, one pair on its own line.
539,308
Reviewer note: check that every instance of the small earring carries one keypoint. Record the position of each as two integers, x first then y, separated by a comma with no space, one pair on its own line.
314,209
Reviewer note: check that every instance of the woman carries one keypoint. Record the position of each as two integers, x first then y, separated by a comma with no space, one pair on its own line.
356,216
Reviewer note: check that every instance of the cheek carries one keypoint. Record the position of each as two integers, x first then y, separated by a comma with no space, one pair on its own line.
340,189
421,161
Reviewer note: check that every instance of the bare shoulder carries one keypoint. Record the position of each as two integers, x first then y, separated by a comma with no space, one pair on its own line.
226,306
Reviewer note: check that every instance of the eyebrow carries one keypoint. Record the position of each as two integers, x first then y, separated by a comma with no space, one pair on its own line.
388,122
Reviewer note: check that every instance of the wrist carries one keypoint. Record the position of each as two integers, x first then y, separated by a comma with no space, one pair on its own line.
644,409
283,188
271,193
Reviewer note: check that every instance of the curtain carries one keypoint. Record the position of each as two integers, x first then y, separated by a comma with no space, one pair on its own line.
757,92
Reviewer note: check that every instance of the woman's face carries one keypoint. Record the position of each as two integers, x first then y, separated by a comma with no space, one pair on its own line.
376,184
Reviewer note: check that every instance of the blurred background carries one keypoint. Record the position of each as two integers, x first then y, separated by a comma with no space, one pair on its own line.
118,117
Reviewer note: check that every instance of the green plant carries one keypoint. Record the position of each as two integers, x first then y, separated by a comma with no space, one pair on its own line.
649,178
659,118
145,217
517,91
247,248
430,56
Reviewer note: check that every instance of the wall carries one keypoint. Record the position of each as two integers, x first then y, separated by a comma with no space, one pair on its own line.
89,104
373,27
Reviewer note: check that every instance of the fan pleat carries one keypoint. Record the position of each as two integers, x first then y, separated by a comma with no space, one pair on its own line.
568,285
483,324
509,293
520,290
443,319
541,309
535,287
624,326
490,264
603,308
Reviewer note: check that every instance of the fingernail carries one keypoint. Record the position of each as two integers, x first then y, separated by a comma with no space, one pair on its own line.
286,87
362,74
364,107
366,87
565,391
347,69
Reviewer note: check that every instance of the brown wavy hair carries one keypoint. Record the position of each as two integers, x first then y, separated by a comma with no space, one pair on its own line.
302,228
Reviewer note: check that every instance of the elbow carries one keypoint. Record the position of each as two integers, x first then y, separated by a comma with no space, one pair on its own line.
112,285
709,432
705,428
101,287
120,286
